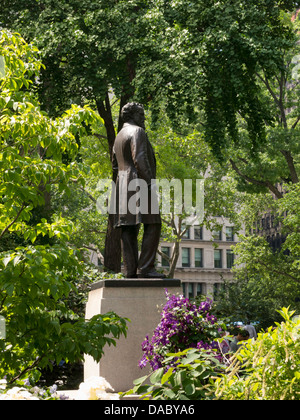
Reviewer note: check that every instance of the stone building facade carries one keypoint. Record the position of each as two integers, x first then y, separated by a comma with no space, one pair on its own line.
205,259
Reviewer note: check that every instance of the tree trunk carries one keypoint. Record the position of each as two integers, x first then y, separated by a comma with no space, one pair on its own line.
174,259
112,252
291,165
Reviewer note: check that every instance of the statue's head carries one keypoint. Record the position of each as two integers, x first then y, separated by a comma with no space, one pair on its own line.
133,112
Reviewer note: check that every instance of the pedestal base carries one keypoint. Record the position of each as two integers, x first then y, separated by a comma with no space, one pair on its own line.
141,301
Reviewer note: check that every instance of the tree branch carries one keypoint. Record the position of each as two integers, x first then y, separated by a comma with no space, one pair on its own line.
100,136
266,82
282,272
162,254
89,195
104,109
27,369
14,221
278,100
295,123
291,165
281,99
254,181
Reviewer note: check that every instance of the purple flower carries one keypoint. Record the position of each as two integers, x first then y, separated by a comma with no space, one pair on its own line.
53,389
63,397
183,325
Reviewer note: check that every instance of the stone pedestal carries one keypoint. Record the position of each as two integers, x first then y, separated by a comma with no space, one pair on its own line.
139,300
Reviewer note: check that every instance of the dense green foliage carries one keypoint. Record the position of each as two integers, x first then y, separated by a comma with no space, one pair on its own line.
266,279
212,53
203,63
267,369
268,274
219,81
35,277
191,379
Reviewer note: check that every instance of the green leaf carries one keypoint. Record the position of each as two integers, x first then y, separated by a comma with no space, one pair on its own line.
10,290
16,260
167,376
170,394
143,389
191,357
156,377
189,389
139,381
6,260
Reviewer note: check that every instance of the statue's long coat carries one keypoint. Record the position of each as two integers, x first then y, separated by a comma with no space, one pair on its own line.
134,159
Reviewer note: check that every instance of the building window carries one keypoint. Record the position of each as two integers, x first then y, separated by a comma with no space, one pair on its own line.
164,261
186,260
199,289
217,235
191,290
218,258
198,233
198,257
278,241
187,233
229,234
229,258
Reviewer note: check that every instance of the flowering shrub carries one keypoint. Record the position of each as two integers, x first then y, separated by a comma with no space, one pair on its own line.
183,325
267,368
28,392
95,388
192,378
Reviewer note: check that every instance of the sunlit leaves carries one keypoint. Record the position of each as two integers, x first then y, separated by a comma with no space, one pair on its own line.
270,365
32,145
36,279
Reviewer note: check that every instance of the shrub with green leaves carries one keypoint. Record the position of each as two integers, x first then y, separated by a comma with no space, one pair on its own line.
190,377
36,275
265,369
268,368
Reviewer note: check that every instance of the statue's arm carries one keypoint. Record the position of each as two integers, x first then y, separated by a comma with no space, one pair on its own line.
115,164
140,158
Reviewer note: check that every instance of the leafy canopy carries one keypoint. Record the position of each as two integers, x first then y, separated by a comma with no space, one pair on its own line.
36,279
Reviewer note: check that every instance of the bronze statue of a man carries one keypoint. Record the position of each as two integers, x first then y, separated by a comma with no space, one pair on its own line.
134,161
